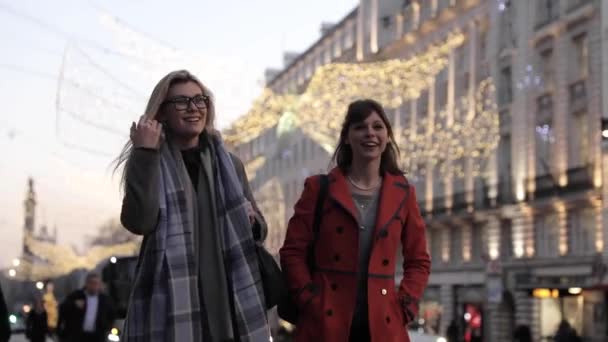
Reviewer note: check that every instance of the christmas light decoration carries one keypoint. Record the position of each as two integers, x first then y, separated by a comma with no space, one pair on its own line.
57,260
334,86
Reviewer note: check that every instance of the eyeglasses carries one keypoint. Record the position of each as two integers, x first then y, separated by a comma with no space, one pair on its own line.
183,102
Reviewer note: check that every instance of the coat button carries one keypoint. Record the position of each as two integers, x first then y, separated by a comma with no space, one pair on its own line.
384,292
334,286
383,233
337,257
329,312
385,262
340,230
388,319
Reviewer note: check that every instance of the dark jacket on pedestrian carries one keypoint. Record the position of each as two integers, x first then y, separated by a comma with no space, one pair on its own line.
72,313
5,327
36,326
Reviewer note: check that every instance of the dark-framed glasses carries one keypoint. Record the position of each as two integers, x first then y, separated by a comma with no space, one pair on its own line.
183,102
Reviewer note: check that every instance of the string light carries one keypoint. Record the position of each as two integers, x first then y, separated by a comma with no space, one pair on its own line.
252,167
57,260
334,86
392,82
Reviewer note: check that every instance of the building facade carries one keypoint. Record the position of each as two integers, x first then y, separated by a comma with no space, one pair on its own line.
517,223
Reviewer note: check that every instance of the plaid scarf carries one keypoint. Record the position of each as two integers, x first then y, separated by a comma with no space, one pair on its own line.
165,303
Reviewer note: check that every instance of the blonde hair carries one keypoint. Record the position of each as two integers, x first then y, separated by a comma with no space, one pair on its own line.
158,96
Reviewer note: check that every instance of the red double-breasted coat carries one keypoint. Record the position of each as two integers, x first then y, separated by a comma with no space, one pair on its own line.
326,298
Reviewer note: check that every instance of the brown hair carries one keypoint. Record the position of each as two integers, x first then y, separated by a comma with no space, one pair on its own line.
358,111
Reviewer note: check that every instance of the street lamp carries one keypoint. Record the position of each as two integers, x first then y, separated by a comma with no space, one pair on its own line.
113,260
16,262
39,285
12,273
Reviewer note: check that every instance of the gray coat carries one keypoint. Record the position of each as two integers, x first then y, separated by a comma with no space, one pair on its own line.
140,210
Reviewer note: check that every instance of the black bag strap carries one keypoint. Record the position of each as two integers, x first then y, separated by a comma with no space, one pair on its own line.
318,215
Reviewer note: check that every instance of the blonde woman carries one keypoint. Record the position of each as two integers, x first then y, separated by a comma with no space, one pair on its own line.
197,277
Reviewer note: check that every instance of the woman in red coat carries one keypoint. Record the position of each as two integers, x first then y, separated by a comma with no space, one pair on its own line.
370,212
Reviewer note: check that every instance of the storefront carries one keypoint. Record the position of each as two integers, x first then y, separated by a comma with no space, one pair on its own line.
570,299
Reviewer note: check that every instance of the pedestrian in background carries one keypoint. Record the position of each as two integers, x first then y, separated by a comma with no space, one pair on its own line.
86,315
371,213
50,306
5,326
189,197
36,325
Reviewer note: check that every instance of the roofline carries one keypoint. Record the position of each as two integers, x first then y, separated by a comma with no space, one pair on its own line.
301,56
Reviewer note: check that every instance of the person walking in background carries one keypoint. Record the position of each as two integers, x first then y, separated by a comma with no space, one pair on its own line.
50,306
199,277
5,326
566,333
452,331
349,293
36,325
522,334
86,315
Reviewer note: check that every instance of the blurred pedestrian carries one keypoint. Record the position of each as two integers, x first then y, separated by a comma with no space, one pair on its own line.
452,331
5,326
50,306
191,200
36,325
566,333
86,315
522,334
371,216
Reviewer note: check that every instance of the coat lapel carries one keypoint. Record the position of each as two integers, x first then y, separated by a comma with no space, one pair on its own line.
339,191
393,194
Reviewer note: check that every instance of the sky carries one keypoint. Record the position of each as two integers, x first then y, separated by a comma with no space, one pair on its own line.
74,74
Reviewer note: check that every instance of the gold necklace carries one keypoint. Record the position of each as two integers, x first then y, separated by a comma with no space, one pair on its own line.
363,188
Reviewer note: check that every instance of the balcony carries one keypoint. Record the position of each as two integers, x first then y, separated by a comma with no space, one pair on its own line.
578,96
460,201
580,179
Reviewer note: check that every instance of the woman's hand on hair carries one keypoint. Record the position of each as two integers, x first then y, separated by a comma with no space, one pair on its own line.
146,134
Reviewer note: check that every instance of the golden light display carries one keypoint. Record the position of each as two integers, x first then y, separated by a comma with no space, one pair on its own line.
471,134
59,260
252,167
333,86
264,114
445,143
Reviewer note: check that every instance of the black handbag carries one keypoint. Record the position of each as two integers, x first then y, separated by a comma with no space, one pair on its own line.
273,282
287,308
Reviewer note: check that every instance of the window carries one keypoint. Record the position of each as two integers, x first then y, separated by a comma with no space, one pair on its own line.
578,136
505,92
544,135
581,57
477,246
547,68
456,244
581,232
546,235
436,237
546,11
504,169
506,239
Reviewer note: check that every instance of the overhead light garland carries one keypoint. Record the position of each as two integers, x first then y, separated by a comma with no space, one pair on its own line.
391,82
57,260
334,86
446,143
